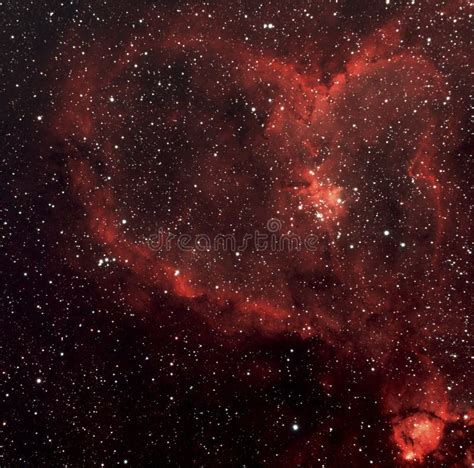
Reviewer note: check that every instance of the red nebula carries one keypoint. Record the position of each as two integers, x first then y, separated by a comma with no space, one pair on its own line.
417,436
319,134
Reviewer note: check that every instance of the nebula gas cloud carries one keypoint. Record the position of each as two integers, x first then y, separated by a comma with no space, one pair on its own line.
341,127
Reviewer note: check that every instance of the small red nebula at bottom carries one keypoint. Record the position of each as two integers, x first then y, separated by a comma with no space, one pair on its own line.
418,435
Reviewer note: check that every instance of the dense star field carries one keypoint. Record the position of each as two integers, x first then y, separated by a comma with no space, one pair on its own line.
236,233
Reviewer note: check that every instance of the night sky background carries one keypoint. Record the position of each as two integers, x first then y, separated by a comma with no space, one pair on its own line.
344,120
